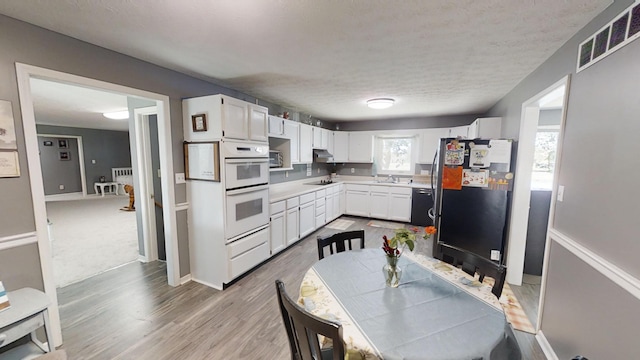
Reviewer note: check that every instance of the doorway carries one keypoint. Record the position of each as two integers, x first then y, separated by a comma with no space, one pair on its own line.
535,188
24,75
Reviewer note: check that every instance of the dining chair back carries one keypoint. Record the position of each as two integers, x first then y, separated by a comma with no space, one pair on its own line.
338,242
474,264
303,329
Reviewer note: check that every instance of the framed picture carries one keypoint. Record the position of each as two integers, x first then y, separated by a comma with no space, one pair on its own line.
47,143
199,122
7,127
9,164
64,155
63,144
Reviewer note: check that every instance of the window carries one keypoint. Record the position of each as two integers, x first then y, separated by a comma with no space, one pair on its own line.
544,159
394,155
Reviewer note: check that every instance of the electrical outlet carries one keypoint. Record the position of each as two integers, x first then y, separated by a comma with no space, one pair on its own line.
180,178
61,187
159,173
353,170
286,174
93,161
318,171
560,196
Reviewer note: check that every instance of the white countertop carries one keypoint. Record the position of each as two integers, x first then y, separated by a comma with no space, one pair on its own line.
286,190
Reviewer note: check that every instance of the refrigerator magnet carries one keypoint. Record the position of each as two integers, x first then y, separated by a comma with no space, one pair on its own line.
479,156
454,153
452,178
475,178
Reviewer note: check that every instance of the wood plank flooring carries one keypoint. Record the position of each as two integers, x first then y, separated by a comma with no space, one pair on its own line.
131,313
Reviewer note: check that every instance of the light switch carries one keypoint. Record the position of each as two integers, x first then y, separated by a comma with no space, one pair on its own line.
61,187
180,178
560,196
93,161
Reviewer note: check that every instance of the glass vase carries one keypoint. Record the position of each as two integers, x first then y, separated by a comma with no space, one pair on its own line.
392,272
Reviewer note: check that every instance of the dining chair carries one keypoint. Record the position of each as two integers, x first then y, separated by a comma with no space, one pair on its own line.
337,242
303,329
474,264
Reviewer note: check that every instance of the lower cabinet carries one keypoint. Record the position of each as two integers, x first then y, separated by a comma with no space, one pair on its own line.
307,216
357,200
278,227
292,228
379,201
400,204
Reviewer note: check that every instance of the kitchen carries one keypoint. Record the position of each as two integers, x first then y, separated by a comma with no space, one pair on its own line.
31,44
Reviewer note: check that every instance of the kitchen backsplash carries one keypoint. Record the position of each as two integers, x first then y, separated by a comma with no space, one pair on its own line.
359,169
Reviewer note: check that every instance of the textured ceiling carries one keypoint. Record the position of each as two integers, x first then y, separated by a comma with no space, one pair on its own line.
326,58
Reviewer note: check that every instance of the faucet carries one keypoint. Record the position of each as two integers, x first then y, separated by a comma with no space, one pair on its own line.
390,179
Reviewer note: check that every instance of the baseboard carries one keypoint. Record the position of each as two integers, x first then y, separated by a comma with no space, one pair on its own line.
143,259
206,284
546,347
185,279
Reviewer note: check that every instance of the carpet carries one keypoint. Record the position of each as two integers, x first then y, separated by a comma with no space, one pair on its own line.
340,224
385,224
90,236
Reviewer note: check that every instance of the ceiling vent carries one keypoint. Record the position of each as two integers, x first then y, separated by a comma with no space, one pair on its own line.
618,33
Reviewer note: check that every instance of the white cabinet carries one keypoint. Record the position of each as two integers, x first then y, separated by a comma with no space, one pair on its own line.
400,204
292,229
320,138
360,147
486,128
307,214
277,241
321,219
429,143
276,126
291,130
461,131
379,202
340,146
330,142
357,200
339,204
224,117
306,143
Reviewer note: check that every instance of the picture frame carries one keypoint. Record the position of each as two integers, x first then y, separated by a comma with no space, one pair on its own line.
63,144
9,164
47,143
199,122
64,155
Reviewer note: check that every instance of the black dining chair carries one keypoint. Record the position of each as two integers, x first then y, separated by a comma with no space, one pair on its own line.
473,264
337,242
303,329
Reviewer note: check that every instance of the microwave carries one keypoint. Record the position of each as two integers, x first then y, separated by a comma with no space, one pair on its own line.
275,159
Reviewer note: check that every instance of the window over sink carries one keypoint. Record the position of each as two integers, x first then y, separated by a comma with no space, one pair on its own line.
395,155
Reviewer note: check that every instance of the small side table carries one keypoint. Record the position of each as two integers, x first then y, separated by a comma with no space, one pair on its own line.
28,312
112,186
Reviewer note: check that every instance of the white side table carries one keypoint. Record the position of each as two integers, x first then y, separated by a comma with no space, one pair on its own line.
28,312
112,186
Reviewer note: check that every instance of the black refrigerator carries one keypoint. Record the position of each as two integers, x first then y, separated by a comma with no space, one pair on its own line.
472,185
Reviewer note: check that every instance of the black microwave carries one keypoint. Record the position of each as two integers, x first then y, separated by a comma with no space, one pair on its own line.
275,159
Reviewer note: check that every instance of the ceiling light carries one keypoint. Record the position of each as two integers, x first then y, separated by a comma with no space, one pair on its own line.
117,115
380,103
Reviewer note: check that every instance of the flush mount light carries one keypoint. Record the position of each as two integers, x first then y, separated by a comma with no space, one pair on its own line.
117,115
380,103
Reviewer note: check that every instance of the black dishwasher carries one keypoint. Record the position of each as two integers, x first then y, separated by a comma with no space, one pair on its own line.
421,202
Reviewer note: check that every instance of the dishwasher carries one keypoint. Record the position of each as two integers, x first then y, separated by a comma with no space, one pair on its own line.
421,202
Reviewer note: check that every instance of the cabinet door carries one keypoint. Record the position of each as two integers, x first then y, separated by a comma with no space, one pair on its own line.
459,131
324,138
258,124
488,128
307,219
357,203
400,207
293,233
277,232
340,146
379,203
317,137
329,215
276,126
360,147
330,142
235,119
291,130
429,143
342,197
306,141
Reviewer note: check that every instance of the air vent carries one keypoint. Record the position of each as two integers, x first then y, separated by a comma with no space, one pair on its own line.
622,30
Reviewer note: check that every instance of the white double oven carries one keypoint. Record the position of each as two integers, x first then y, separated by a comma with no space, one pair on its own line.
246,183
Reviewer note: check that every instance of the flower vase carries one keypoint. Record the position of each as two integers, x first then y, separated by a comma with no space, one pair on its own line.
392,272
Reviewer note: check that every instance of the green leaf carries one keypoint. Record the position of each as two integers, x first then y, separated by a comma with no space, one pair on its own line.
410,244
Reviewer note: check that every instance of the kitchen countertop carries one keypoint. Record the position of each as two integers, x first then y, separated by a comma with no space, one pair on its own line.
286,190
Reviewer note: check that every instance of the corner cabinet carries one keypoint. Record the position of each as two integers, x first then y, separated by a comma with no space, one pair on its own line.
292,132
429,143
224,117
486,128
340,146
360,147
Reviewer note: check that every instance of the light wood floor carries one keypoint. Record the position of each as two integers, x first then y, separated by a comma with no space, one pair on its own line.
131,313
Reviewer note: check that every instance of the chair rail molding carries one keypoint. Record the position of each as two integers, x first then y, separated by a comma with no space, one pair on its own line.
602,265
8,242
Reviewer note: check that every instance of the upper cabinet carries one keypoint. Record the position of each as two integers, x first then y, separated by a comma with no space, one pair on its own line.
429,143
486,128
291,130
360,147
320,138
213,117
276,126
306,143
340,146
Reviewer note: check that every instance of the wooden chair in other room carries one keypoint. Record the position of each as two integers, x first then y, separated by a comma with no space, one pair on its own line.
473,264
303,329
337,242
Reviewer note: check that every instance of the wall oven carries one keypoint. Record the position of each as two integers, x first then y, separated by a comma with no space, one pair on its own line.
245,164
247,209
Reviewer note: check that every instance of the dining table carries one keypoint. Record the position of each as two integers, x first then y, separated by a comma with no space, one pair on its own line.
436,312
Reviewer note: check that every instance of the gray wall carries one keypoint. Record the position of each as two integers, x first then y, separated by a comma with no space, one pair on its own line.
407,123
108,148
55,170
584,312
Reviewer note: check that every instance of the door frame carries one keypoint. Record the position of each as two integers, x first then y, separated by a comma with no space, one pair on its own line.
24,73
83,175
522,188
145,176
